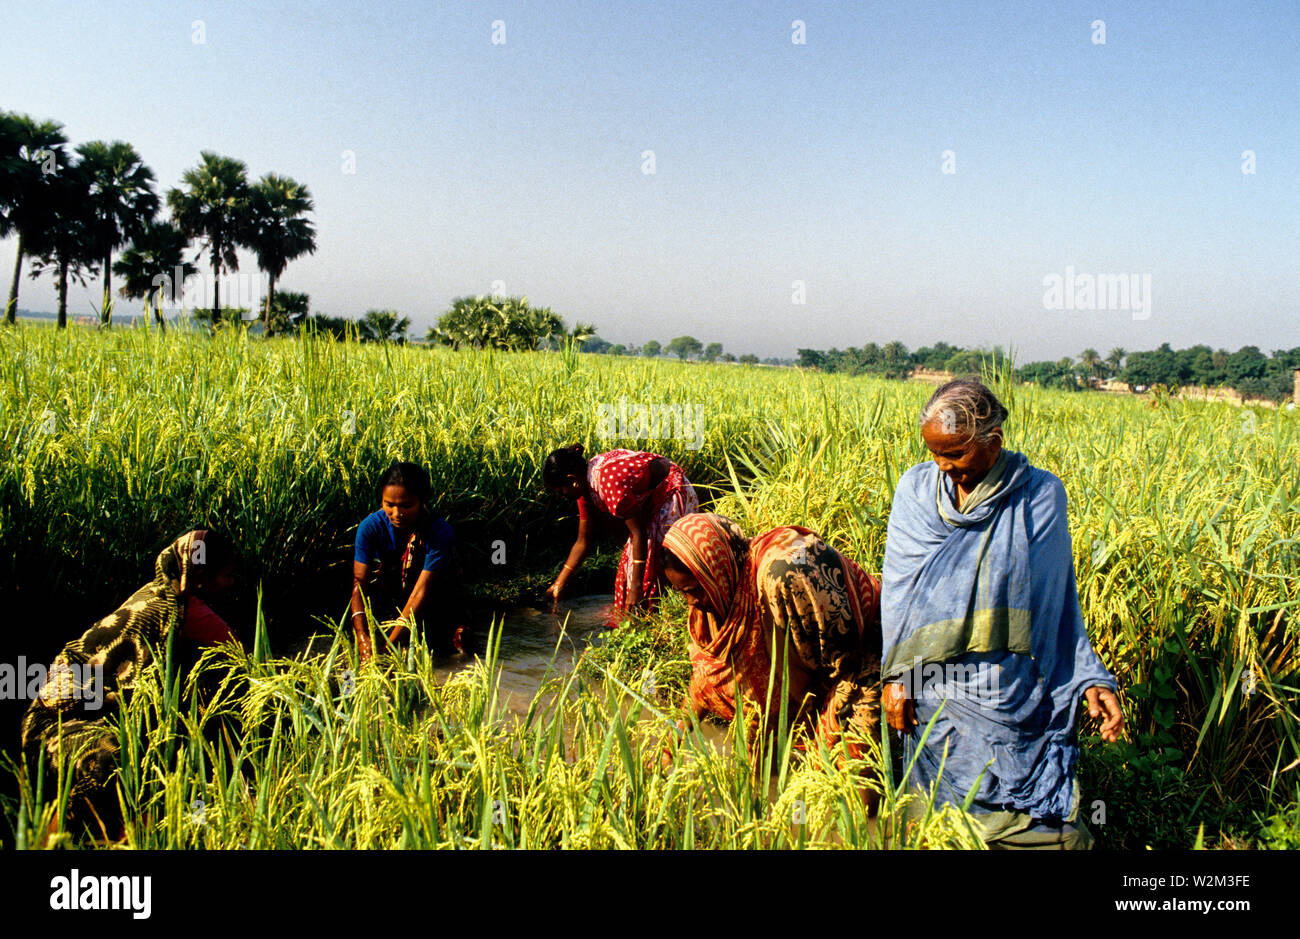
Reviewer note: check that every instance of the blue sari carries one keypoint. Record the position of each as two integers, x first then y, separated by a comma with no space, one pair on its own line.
980,614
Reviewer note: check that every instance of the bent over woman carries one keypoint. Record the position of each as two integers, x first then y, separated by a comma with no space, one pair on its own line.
646,491
783,589
72,717
403,565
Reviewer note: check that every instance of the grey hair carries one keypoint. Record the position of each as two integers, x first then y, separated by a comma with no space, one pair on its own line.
965,406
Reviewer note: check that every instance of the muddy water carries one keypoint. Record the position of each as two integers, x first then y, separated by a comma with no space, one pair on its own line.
534,639
529,641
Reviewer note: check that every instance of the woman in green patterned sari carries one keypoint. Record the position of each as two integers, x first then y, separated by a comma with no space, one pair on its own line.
69,725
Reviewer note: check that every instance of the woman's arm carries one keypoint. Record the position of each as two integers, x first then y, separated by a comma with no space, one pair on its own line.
576,555
415,605
360,575
637,527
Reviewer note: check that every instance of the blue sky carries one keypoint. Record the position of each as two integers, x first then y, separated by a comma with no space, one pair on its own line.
521,162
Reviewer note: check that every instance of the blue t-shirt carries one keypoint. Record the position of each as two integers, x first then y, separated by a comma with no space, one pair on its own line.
377,541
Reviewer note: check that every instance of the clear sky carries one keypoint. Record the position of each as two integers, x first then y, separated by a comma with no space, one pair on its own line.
774,161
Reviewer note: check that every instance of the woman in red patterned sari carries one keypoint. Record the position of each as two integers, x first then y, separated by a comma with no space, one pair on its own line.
646,491
784,589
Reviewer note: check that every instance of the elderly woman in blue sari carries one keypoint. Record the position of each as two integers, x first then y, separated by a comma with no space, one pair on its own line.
984,641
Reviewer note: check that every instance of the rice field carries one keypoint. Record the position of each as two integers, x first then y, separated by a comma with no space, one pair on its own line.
1186,538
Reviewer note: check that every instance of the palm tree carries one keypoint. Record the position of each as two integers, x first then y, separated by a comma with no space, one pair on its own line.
214,208
157,252
580,332
279,233
288,312
508,323
472,321
529,327
10,171
122,201
30,147
384,326
1116,359
67,244
1090,360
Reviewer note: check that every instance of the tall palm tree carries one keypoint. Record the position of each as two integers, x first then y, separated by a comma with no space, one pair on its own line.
32,147
214,208
1090,360
279,233
1116,359
156,252
67,245
122,201
10,170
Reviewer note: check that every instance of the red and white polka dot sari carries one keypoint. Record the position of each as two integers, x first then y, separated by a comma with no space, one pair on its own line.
619,484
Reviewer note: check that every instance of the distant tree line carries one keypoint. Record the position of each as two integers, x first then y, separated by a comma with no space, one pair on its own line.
686,348
1248,370
893,360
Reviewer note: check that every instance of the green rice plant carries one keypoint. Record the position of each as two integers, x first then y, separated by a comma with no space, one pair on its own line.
1184,519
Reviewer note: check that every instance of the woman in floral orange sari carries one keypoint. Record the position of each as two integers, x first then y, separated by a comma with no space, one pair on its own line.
785,589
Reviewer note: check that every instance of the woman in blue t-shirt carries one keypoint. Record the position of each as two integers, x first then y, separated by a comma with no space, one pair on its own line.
403,565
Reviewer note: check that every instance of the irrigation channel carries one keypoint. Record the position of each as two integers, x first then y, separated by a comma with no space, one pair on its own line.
528,655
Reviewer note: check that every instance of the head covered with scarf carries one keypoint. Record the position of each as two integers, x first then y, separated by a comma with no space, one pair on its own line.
71,717
822,604
125,641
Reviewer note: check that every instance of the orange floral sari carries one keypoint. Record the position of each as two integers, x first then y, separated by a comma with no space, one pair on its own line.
784,589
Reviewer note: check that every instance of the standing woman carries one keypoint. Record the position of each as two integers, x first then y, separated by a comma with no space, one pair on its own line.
783,589
403,565
980,614
73,719
646,491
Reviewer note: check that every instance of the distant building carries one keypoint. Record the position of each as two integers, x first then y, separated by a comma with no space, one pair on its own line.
930,376
1226,395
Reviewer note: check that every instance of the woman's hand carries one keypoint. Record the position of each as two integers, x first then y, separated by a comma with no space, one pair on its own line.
397,629
365,650
1103,704
900,710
